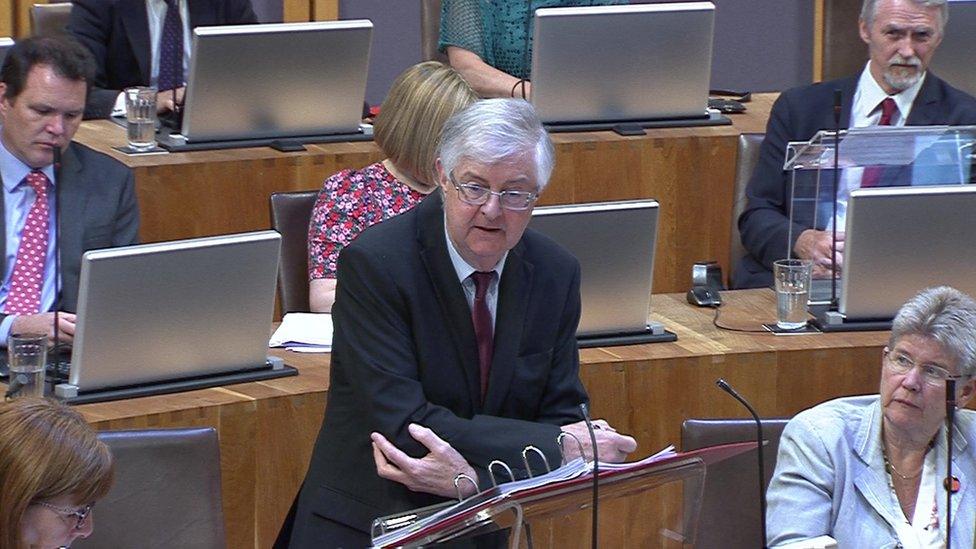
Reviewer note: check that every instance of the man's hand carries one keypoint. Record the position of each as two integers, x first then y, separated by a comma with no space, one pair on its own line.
431,474
817,245
164,100
612,447
43,323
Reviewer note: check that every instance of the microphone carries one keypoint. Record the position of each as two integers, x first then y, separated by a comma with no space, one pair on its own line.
596,473
833,250
723,385
951,484
57,251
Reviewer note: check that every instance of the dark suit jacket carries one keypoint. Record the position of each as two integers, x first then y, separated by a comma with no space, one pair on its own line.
798,115
404,351
98,210
117,34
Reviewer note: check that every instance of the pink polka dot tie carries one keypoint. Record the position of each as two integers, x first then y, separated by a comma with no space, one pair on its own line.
24,297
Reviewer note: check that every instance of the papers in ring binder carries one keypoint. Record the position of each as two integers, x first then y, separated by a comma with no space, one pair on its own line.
559,441
457,484
491,471
525,459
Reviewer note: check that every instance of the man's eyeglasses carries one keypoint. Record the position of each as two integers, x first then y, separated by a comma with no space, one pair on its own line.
78,514
932,374
476,195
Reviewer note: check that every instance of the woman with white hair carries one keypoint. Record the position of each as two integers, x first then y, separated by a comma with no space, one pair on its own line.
869,470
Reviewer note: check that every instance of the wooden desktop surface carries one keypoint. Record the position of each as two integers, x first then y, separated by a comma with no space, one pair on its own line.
267,429
690,171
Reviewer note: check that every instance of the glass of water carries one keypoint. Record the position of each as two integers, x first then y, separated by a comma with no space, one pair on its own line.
792,278
140,116
27,354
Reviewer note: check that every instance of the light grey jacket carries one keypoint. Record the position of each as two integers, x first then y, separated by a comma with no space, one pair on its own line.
830,478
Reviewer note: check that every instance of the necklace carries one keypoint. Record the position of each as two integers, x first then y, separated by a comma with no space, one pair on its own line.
891,468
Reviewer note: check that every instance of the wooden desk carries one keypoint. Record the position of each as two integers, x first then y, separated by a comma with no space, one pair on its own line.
267,429
690,171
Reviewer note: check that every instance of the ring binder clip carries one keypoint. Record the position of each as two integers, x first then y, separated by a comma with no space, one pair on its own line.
491,471
457,484
559,441
525,459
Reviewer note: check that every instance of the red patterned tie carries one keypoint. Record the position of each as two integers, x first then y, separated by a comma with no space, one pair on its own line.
24,297
872,175
481,317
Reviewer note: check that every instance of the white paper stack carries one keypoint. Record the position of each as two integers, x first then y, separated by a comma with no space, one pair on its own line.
304,333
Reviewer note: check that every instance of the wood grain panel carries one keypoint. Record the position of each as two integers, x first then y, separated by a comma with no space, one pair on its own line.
325,10
267,429
689,170
21,16
296,11
7,20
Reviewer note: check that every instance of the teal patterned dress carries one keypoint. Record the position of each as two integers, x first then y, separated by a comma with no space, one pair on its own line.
495,29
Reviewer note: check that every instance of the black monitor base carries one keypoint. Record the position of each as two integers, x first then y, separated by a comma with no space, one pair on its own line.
173,386
614,340
832,321
626,127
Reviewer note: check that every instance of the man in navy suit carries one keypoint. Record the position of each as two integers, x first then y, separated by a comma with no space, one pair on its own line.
127,36
42,96
455,339
894,89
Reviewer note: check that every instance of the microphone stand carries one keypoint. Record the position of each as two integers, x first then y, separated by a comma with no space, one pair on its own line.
57,254
949,484
834,305
724,385
596,474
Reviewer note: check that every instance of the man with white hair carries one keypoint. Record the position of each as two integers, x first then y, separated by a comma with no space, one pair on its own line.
895,89
455,340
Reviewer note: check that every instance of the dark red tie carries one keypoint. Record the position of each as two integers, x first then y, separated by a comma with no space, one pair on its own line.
872,175
171,48
481,318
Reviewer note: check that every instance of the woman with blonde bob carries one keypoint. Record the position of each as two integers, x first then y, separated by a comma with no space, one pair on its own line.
53,469
408,130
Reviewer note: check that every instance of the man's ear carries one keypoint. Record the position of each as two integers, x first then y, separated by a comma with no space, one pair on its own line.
4,103
864,31
441,176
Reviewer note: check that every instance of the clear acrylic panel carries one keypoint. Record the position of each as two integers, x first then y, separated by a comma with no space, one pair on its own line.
875,156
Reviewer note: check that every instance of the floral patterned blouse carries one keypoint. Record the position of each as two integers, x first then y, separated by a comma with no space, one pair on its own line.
349,202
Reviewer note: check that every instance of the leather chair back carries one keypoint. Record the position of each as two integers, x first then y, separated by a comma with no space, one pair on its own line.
748,156
730,507
49,19
844,53
166,492
290,214
430,30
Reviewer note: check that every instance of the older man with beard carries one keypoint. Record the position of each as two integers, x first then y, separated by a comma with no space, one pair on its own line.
894,89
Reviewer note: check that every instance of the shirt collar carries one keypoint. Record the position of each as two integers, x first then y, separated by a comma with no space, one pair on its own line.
461,267
870,95
13,170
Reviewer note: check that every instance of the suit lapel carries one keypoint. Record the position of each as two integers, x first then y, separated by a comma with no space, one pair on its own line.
513,302
868,470
70,193
135,20
961,469
927,107
448,291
